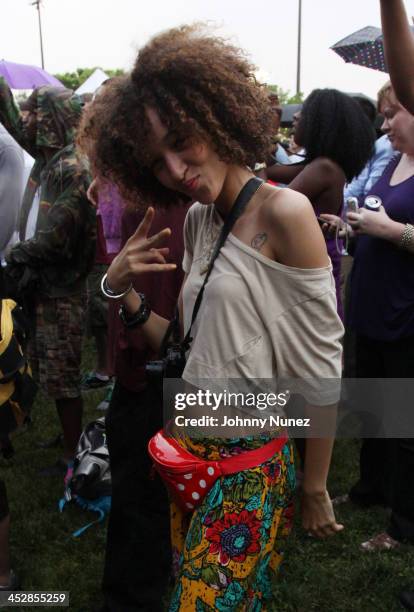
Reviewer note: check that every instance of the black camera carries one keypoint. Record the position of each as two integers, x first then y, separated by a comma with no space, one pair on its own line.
171,366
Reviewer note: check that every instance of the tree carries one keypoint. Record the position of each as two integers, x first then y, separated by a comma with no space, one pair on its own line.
284,95
73,80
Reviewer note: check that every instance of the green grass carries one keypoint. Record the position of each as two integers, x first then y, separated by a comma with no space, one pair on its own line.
44,552
331,575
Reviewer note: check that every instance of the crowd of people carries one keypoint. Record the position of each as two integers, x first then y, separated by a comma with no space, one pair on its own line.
166,213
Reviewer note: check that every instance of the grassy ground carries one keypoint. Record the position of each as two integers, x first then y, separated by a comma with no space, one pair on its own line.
331,576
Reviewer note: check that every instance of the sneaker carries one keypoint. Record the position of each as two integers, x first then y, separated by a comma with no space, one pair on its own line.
92,380
382,541
104,404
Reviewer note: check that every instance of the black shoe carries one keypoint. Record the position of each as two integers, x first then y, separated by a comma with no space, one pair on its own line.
14,584
406,598
59,468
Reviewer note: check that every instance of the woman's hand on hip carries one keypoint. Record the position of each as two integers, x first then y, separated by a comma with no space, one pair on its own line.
140,255
318,517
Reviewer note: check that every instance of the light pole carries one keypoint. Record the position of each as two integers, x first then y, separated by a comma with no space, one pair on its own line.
36,3
299,47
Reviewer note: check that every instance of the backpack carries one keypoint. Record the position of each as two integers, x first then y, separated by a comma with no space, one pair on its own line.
89,483
17,388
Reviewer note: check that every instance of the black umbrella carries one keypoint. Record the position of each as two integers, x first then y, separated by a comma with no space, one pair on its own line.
364,48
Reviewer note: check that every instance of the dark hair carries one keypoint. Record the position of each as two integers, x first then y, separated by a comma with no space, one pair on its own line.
200,86
369,107
333,125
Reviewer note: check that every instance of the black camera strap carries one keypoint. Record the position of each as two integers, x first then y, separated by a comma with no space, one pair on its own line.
173,332
244,197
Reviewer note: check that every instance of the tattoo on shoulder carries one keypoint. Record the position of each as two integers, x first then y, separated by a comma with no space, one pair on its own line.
258,241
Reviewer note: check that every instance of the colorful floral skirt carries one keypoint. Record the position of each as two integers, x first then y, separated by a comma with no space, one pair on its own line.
228,550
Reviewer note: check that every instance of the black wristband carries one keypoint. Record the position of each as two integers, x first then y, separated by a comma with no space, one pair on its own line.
137,318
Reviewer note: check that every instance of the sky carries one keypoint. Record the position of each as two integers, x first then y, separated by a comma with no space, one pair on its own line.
108,33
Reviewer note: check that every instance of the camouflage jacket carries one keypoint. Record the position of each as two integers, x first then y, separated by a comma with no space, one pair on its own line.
60,255
56,261
58,111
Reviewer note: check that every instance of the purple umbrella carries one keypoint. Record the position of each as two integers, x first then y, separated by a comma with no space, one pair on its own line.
22,76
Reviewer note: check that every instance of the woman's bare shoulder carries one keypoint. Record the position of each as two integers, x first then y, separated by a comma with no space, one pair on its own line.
282,205
294,232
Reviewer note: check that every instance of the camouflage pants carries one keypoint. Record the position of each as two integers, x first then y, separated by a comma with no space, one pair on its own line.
55,349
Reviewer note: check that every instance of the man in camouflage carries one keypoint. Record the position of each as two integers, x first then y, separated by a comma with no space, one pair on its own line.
49,268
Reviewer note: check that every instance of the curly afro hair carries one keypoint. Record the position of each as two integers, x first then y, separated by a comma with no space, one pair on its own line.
334,125
201,86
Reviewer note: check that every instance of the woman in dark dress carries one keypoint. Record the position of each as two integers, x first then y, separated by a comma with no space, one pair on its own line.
338,140
381,313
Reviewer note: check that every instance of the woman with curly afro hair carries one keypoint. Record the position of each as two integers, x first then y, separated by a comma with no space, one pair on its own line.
338,139
190,122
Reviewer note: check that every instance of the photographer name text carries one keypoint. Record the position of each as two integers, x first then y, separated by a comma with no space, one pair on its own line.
226,421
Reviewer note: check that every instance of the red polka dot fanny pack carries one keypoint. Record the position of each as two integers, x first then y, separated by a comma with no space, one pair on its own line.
189,478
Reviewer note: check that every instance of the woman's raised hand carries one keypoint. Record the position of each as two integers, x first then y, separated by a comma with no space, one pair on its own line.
140,255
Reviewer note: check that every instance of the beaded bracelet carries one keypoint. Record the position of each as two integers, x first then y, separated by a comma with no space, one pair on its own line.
141,316
407,236
108,293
